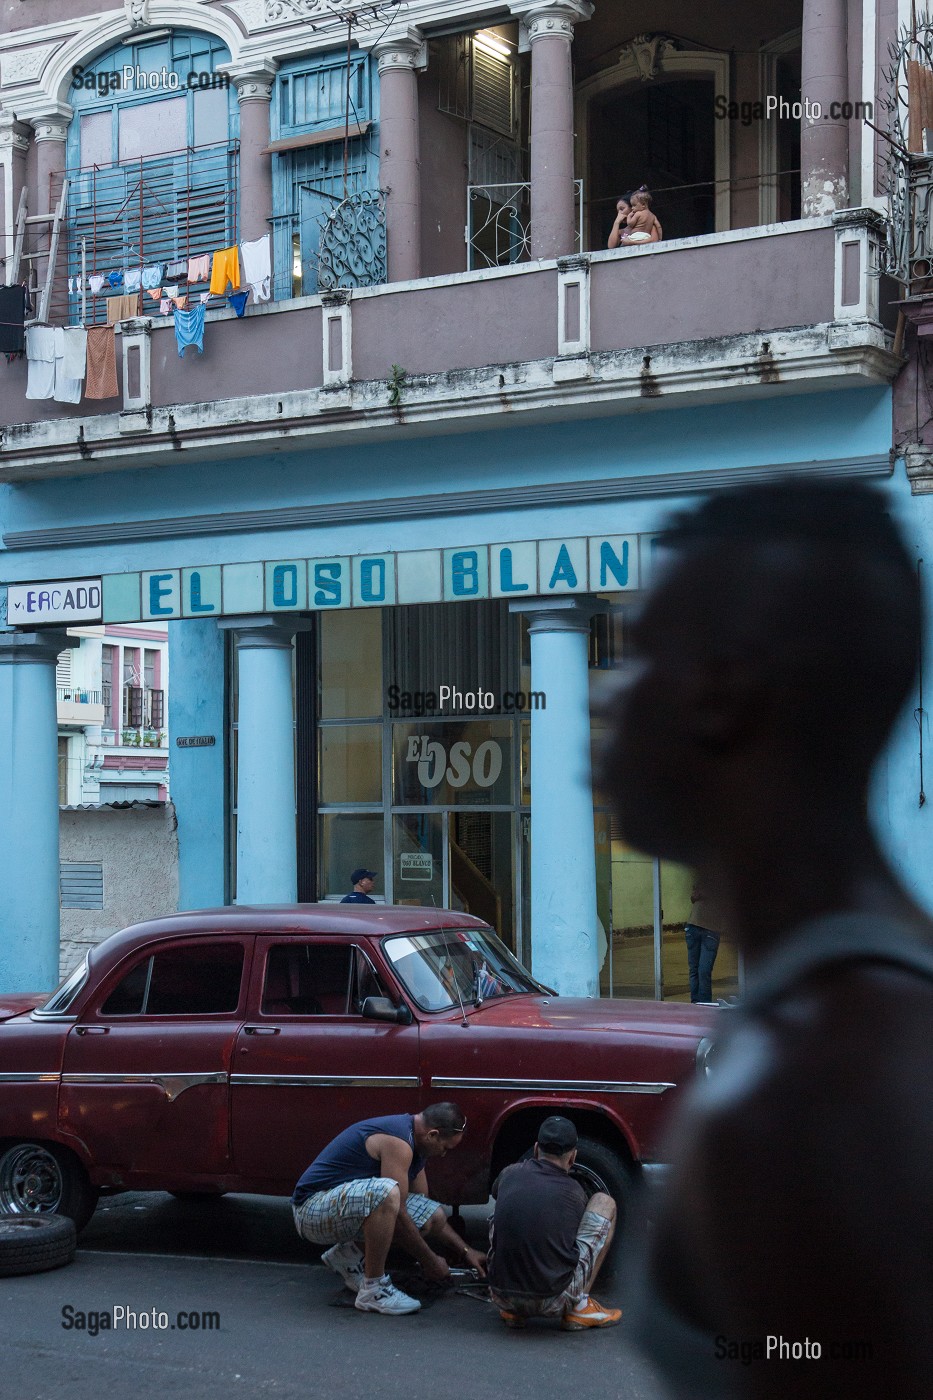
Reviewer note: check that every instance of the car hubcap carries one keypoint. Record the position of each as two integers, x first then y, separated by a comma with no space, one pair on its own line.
591,1181
30,1181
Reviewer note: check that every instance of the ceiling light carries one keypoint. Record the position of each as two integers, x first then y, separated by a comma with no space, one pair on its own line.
491,43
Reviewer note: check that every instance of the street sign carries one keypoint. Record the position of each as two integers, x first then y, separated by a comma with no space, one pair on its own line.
54,604
195,741
416,865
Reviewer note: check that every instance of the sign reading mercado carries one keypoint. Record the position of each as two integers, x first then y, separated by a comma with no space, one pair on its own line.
537,568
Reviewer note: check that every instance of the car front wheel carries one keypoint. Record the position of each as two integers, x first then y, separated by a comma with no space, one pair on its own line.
41,1178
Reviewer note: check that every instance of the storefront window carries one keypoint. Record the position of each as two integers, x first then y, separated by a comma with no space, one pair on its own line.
351,763
351,664
481,859
418,858
349,840
629,969
463,763
676,885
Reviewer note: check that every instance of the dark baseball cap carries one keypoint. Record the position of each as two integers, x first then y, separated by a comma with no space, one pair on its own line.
557,1135
362,874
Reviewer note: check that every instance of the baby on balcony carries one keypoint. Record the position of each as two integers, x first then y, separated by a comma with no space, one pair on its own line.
635,222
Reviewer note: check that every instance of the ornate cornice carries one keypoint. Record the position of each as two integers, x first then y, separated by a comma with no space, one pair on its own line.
137,12
550,19
401,49
53,126
253,79
14,134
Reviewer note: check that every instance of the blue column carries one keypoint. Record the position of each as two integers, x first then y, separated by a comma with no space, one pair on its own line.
29,898
197,705
266,849
564,946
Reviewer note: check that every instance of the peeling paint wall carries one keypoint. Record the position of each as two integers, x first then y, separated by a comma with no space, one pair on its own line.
138,849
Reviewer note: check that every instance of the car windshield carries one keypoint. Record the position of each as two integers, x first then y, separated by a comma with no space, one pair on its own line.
443,967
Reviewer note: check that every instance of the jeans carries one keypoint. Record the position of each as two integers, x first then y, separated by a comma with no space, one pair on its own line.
702,947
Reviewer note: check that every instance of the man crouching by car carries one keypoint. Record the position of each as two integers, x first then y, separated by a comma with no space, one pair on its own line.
369,1184
547,1241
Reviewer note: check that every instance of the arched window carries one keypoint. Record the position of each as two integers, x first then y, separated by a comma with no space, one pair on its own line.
152,156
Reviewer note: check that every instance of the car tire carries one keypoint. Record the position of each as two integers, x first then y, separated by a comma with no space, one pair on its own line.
31,1243
42,1180
598,1168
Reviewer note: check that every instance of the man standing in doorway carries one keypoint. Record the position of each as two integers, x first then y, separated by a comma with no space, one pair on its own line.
362,882
702,932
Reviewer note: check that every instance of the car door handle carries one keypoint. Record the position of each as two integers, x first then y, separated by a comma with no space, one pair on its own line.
261,1030
92,1030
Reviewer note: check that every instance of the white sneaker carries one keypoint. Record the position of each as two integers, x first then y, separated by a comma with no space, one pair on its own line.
382,1296
347,1261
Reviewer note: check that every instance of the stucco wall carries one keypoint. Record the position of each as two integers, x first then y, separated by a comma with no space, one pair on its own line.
138,849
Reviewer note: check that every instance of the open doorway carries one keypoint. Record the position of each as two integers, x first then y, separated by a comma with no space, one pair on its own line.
660,135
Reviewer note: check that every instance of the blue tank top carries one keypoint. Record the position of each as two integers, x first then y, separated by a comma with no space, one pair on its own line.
346,1159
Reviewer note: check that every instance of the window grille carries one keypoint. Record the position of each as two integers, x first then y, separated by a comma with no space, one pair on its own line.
81,884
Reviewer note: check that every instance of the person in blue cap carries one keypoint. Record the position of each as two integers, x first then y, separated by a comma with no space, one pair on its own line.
362,882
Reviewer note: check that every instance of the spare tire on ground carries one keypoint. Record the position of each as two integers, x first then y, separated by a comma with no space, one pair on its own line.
31,1243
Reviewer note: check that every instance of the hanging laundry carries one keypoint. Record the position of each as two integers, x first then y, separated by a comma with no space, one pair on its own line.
132,279
180,301
12,317
156,294
189,329
70,358
225,268
95,283
257,267
199,268
101,363
122,308
40,356
165,306
153,274
115,279
178,268
170,291
238,301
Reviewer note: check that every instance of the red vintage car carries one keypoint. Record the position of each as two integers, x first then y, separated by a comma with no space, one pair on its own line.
220,1050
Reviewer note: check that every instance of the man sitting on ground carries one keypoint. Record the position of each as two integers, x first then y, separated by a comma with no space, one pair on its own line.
547,1241
369,1184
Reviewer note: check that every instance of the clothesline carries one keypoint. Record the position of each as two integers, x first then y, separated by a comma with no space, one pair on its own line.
63,361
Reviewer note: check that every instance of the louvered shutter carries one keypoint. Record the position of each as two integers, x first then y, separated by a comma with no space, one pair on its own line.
81,884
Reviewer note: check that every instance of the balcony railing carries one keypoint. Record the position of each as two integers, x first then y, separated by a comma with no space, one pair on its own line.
499,223
76,695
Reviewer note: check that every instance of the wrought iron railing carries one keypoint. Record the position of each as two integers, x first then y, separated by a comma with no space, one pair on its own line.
343,246
77,695
498,230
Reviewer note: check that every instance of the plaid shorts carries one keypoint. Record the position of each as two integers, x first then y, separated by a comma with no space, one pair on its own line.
591,1237
337,1215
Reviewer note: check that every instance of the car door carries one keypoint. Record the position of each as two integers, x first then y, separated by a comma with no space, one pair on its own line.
307,1064
145,1081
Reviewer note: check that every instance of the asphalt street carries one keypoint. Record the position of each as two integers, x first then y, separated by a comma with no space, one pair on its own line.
281,1333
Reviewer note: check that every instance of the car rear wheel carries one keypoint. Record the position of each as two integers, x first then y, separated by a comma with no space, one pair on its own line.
42,1179
31,1243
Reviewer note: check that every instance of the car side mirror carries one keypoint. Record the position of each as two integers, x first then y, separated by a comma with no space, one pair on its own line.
384,1009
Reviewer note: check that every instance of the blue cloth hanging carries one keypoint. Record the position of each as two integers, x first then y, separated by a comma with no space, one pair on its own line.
189,329
238,301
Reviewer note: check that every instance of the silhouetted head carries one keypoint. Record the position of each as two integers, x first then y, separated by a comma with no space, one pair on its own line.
767,665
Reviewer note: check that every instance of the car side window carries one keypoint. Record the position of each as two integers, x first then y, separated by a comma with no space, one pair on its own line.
316,979
190,981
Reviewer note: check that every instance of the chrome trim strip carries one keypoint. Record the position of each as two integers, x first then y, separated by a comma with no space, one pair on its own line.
39,1076
328,1081
172,1084
562,1086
